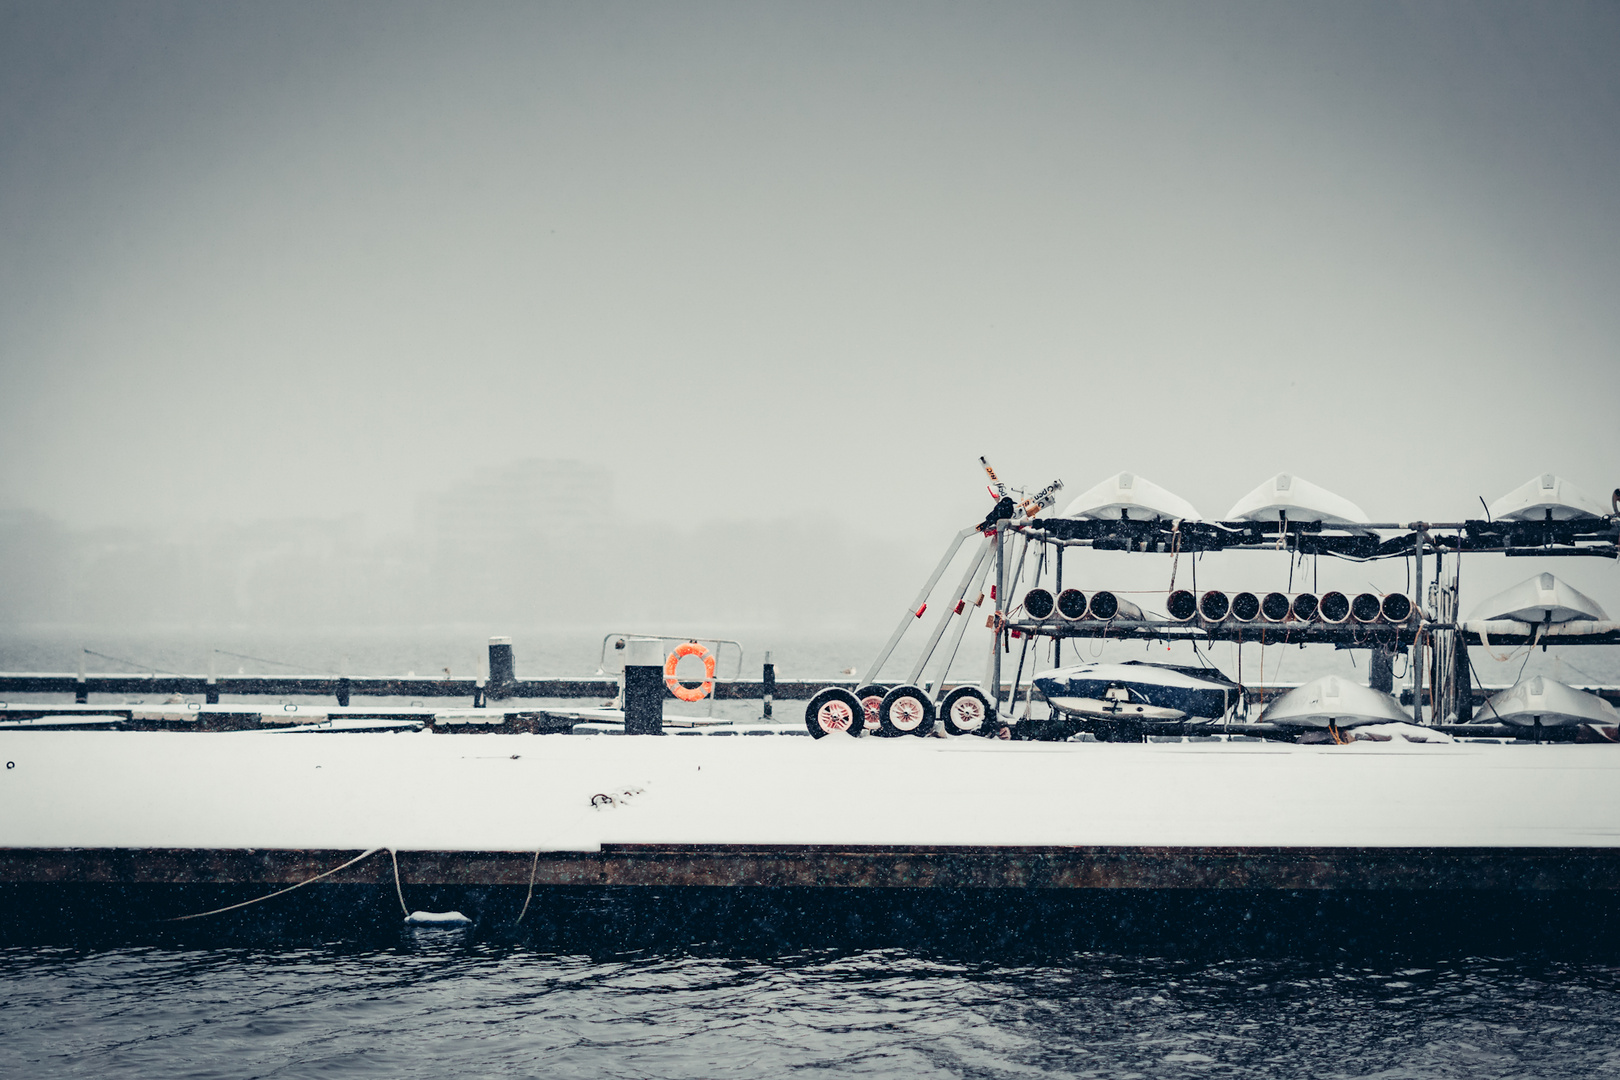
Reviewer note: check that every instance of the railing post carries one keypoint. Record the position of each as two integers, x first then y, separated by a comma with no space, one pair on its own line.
644,686
81,693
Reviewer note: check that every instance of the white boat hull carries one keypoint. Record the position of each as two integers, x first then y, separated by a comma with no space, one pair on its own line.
1331,700
1130,496
1540,599
1553,703
1299,500
1542,497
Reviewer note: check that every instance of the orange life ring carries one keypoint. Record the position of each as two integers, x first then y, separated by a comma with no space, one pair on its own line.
691,648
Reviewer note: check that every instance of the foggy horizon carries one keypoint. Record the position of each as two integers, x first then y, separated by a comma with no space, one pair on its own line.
793,269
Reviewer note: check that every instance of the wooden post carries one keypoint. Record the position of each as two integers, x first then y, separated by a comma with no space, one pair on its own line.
502,670
1381,670
81,694
1464,680
643,686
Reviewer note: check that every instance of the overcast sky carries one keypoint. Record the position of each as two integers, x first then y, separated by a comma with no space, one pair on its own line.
266,260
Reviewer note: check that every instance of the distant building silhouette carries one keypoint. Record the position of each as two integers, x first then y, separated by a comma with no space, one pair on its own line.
521,500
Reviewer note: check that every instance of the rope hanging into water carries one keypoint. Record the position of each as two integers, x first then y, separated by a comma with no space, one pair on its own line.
281,892
398,889
533,867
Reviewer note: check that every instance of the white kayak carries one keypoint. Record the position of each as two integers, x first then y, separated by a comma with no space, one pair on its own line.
1542,598
1545,496
1333,700
1130,496
1553,703
1299,499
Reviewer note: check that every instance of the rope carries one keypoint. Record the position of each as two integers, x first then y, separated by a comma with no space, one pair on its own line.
131,663
534,866
397,887
266,660
232,907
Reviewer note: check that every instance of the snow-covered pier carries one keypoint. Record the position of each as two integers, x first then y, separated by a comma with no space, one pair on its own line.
258,811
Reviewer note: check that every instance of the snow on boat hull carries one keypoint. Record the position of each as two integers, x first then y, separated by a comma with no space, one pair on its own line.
1332,700
1130,496
1543,497
1138,691
1553,703
1300,499
1542,598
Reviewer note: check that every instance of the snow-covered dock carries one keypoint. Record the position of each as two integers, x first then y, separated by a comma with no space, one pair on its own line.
255,807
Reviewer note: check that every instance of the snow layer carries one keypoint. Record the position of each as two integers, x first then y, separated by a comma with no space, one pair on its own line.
536,792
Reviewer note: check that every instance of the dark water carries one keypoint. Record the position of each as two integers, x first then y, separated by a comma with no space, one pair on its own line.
576,998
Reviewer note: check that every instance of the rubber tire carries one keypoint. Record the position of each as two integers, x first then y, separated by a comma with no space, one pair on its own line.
876,692
829,695
986,724
911,693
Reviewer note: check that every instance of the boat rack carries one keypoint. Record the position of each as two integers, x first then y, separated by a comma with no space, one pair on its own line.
1433,636
1596,537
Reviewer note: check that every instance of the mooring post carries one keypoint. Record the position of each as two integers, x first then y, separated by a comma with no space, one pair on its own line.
343,684
1464,680
81,693
643,686
211,687
1381,669
768,683
502,672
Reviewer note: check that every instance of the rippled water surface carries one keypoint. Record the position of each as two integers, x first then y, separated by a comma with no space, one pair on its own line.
439,1003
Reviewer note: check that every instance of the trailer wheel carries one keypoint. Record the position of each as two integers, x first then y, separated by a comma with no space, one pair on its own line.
966,711
871,698
833,711
906,710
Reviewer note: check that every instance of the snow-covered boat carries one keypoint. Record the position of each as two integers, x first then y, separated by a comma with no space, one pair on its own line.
1149,693
1549,701
1299,500
1542,498
1336,701
1542,598
1130,496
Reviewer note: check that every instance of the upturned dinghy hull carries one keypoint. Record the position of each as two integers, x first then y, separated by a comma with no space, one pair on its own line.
1552,703
1336,702
1540,599
1542,498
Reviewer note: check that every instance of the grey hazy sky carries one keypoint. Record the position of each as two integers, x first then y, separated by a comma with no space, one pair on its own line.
267,259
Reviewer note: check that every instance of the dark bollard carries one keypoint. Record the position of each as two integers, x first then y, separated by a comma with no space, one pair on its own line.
1381,670
343,692
502,672
644,687
81,694
1465,684
768,683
